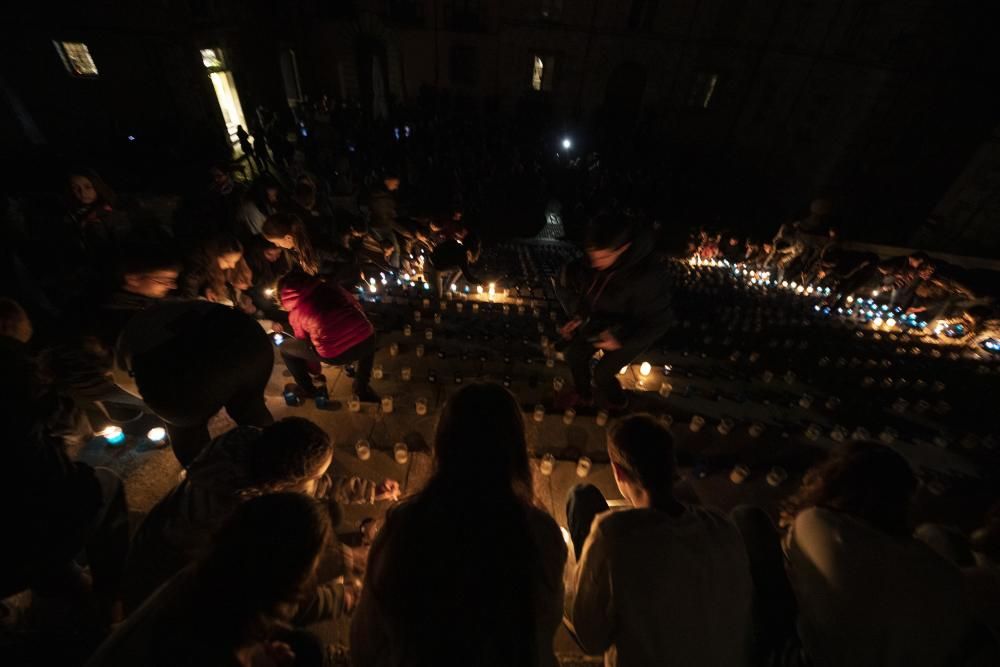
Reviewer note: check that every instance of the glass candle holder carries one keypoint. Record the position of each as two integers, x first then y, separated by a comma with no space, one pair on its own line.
569,416
417,316
725,426
437,318
756,429
739,474
558,383
583,466
602,418
401,453
776,476
394,349
420,350
421,406
547,463
426,303
805,401
354,403
665,389
459,307
428,334
406,373
387,405
363,450
407,330
697,423
539,413
378,372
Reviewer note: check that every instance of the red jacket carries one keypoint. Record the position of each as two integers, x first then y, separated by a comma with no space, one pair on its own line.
325,314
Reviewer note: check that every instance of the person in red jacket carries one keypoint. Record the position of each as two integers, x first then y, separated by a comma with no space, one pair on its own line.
330,326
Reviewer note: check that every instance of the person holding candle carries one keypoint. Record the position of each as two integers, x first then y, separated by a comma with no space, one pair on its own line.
268,263
470,553
661,582
293,454
217,272
625,308
330,327
234,604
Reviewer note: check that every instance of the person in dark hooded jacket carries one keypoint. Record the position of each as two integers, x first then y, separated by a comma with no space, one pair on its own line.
623,310
329,325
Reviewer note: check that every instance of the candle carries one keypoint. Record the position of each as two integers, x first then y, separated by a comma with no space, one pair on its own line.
475,307
387,405
113,435
378,371
393,349
665,389
697,422
428,334
354,403
813,432
602,418
558,383
401,453
407,330
645,369
416,316
420,350
838,434
363,450
550,362
539,414
756,429
459,307
406,373
426,303
583,466
776,476
421,406
157,434
739,474
569,416
437,318
806,401
888,435
725,426
546,465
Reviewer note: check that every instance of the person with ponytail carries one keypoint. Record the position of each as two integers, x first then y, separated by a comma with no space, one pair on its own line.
313,254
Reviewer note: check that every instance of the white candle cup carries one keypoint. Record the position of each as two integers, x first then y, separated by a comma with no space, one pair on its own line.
401,453
667,421
539,414
421,406
806,401
697,423
475,307
394,349
739,474
569,416
459,307
426,303
354,403
558,383
443,305
406,373
777,476
420,350
725,426
838,434
428,334
861,433
363,450
546,464
387,405
813,432
417,315
583,466
377,372
550,362
756,429
665,389
437,318
602,418
407,330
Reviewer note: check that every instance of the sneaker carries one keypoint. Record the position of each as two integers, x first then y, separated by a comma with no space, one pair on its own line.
367,394
302,392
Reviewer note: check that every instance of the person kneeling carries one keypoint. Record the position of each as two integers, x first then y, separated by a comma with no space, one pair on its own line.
681,591
330,326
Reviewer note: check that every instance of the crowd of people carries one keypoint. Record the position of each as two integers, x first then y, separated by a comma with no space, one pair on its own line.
107,321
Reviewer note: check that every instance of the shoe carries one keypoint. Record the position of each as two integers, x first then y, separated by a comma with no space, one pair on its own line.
367,395
302,392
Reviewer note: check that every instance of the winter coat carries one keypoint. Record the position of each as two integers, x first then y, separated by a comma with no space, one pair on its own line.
324,314
631,299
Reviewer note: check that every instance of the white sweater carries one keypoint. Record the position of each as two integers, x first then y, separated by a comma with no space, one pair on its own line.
651,589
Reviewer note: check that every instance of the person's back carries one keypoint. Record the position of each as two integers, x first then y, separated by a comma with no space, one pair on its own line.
869,598
324,313
679,588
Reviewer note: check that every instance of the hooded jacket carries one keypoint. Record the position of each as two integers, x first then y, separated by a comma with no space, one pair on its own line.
631,299
324,314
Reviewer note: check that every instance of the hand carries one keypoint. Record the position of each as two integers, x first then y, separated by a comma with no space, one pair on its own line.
608,342
277,328
246,305
566,330
387,490
352,593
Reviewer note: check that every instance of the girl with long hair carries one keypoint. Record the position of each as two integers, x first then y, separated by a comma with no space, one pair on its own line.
311,251
216,271
468,571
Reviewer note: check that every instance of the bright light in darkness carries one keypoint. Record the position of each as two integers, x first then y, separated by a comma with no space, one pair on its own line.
566,143
157,434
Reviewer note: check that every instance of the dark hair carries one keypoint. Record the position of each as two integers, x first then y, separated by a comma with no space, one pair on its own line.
105,195
644,450
460,547
287,224
864,479
480,441
262,557
286,454
147,259
12,317
205,261
607,231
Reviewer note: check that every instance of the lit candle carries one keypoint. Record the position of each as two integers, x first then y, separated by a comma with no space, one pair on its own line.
697,422
421,406
569,416
739,474
401,453
583,466
558,383
354,404
377,371
420,350
406,373
393,349
645,369
539,414
157,434
546,465
363,450
602,418
387,405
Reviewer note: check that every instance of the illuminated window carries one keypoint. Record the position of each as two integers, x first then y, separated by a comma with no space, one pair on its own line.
76,57
225,91
541,72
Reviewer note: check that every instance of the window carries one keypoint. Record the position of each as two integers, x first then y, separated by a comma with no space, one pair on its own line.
541,72
225,90
464,65
77,59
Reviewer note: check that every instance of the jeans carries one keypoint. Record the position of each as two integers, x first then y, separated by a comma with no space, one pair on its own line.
585,502
298,358
609,391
